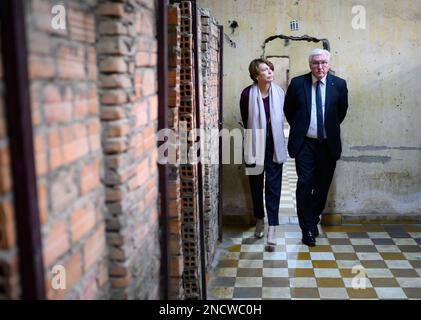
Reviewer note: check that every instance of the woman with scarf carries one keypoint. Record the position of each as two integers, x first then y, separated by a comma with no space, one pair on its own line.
261,106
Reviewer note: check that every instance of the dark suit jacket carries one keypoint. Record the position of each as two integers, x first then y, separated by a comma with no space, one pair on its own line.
297,110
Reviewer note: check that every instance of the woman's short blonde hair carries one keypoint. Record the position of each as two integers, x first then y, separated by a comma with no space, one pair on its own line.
254,68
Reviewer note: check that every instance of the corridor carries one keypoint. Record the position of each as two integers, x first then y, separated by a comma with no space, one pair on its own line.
386,258
114,184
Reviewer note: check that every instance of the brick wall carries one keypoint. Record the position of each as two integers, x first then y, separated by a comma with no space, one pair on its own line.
94,109
185,263
127,58
210,112
176,266
67,143
188,172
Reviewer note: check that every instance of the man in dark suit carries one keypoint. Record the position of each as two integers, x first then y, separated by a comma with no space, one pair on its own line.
315,105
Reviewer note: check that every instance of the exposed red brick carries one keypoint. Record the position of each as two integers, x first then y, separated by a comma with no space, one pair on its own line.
43,201
143,59
115,145
113,64
111,9
141,113
56,243
173,15
142,171
73,267
103,274
57,108
149,82
40,154
7,225
94,248
93,101
112,28
149,139
120,282
82,221
115,81
89,178
117,129
80,107
174,226
71,62
5,177
176,266
153,107
112,113
92,64
112,97
41,67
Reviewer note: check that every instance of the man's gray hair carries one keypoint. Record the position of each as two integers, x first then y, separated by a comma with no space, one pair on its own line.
317,52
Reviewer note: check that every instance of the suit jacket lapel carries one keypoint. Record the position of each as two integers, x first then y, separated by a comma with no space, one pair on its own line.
329,87
307,90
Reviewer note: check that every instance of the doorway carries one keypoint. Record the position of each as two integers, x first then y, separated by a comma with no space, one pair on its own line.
281,65
287,206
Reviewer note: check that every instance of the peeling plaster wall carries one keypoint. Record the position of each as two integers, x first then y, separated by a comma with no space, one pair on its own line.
380,168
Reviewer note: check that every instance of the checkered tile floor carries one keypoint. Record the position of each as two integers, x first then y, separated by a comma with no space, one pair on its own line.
385,258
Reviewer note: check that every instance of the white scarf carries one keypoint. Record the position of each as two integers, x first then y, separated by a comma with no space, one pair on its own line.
255,137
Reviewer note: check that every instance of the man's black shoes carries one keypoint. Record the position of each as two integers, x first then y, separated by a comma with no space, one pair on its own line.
308,238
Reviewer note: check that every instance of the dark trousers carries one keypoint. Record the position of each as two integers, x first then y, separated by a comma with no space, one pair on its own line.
273,184
315,167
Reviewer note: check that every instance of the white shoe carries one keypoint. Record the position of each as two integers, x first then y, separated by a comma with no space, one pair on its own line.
271,235
260,227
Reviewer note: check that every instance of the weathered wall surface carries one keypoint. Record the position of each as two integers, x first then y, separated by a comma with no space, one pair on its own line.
380,171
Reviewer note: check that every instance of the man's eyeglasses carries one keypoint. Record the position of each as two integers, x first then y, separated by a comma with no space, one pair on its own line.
322,63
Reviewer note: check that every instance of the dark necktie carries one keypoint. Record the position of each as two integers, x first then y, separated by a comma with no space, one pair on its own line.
319,109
